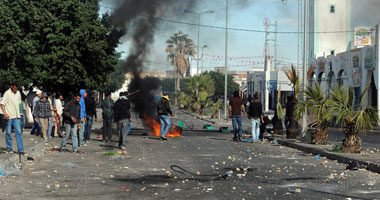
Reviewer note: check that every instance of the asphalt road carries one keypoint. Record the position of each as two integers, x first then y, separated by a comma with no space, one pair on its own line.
189,167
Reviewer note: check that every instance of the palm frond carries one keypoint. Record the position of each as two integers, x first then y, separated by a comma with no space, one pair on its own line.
361,97
278,106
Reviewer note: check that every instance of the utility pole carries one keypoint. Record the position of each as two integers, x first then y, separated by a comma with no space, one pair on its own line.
300,36
275,45
226,65
305,61
266,64
199,20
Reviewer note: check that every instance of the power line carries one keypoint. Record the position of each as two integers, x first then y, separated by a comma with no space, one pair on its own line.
235,29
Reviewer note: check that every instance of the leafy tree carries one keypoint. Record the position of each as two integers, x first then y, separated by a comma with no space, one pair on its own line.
354,118
116,78
167,84
200,89
57,45
184,100
179,48
293,76
215,108
219,83
316,105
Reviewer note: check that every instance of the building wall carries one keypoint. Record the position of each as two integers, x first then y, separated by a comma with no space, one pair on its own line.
322,19
352,68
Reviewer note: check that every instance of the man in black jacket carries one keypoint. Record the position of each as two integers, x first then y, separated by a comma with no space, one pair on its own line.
90,115
255,113
71,117
123,118
108,112
289,111
163,109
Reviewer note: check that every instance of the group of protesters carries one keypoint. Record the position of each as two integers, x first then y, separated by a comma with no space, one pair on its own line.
75,114
237,112
238,107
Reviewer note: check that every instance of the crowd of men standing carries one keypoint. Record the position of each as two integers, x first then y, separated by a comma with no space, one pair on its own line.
239,107
58,117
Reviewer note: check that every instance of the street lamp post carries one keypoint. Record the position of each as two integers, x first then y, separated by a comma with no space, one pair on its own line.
199,19
305,60
204,46
226,63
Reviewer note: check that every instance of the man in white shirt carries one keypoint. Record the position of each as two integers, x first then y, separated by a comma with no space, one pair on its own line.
10,105
58,113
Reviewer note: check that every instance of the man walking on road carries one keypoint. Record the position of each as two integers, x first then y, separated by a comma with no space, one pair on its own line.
235,112
255,113
108,112
58,114
123,118
10,105
163,110
36,125
71,117
90,114
83,94
43,114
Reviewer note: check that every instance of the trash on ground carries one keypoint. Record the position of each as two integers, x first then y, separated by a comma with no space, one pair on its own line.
355,166
70,165
318,157
114,153
245,140
116,157
13,171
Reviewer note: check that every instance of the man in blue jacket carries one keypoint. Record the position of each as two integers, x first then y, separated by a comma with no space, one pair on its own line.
83,94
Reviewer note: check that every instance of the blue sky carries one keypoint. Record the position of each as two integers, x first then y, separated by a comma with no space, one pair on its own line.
245,48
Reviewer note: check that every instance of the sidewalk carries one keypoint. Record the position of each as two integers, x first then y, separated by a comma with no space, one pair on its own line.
369,159
33,146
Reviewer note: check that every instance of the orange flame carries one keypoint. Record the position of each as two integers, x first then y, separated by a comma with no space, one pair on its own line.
155,127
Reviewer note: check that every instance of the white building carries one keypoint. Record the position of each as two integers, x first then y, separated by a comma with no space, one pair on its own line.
329,27
277,81
355,68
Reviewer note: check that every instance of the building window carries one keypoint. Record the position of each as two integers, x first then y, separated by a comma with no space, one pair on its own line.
332,8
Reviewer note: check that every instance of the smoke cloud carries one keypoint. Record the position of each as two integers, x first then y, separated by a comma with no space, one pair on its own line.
139,19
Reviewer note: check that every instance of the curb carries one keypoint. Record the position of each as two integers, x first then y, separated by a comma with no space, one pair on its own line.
374,167
31,149
201,118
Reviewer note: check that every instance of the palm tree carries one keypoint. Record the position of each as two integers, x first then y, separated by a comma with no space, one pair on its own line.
342,105
201,88
294,78
276,120
179,48
316,105
215,109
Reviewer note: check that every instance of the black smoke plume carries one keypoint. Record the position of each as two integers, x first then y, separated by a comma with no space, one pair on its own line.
139,19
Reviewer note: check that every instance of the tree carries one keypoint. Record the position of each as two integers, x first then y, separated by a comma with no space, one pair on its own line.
200,89
277,118
116,78
354,118
57,45
168,84
316,105
179,48
293,76
219,83
215,109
